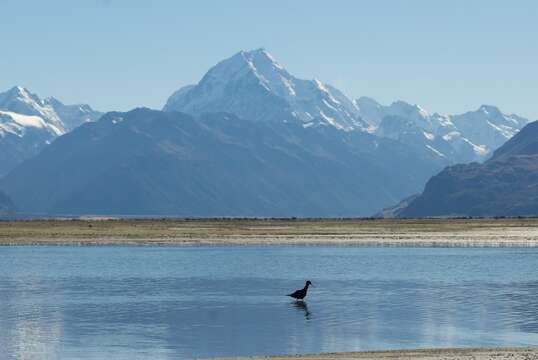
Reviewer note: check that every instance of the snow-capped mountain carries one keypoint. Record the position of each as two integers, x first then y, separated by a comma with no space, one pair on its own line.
472,136
53,112
28,123
20,101
72,115
488,126
254,86
18,124
249,139
504,185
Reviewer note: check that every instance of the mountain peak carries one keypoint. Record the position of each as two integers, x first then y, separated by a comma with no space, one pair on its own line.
62,117
17,92
20,100
53,101
17,89
259,50
31,123
258,64
365,100
253,85
259,55
256,52
261,61
490,110
409,109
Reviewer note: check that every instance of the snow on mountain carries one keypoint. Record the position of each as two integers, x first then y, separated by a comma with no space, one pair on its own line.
253,85
370,110
488,126
52,111
471,136
72,115
504,185
20,100
17,124
28,123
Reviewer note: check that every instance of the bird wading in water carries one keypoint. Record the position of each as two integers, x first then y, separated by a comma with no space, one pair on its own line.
300,294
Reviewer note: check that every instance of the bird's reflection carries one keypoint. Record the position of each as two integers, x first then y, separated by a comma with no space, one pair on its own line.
302,306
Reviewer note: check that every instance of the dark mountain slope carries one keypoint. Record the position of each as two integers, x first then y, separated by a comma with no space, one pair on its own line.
6,205
505,185
526,143
147,162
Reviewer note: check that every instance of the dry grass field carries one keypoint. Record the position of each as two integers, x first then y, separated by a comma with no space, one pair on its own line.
387,232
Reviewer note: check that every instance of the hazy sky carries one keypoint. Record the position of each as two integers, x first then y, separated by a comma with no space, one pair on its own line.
449,56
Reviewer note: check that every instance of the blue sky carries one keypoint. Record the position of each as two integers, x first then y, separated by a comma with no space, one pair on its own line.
448,56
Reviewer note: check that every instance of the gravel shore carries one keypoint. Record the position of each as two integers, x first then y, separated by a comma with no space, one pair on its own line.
334,232
428,354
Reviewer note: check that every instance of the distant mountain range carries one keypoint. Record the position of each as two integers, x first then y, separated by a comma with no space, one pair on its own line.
249,139
148,162
253,85
28,124
505,185
472,136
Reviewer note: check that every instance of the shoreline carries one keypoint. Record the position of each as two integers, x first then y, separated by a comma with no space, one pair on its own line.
268,242
523,353
277,232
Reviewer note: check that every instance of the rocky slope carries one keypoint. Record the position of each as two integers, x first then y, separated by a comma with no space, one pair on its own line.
148,162
505,185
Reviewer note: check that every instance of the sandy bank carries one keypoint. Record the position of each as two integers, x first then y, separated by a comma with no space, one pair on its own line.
460,232
433,354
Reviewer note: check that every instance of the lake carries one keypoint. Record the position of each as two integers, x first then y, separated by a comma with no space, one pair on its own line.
191,302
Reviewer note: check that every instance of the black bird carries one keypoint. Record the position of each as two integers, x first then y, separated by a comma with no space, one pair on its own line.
300,294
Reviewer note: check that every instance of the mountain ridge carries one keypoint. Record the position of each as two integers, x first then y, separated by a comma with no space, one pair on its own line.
253,85
467,137
29,123
389,151
505,185
168,163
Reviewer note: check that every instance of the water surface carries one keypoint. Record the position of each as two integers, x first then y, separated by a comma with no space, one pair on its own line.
182,303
